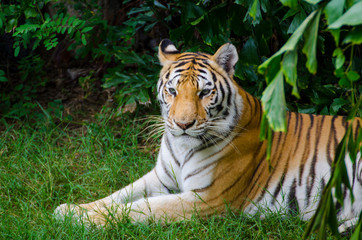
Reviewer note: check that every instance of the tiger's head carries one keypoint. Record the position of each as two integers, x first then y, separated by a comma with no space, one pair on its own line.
196,91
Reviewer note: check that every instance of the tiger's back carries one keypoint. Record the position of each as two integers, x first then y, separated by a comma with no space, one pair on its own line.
298,169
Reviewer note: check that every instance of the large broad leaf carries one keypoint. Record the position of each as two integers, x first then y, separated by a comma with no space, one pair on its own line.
313,1
249,53
273,101
310,45
297,20
357,234
289,67
333,10
290,3
352,17
290,44
354,36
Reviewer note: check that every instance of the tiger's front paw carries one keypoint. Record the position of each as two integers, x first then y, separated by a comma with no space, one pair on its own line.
81,215
69,210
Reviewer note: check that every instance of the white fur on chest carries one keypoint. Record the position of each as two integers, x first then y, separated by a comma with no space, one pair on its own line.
190,164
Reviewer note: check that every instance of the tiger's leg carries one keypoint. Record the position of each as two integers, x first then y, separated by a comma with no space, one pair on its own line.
171,207
148,185
351,211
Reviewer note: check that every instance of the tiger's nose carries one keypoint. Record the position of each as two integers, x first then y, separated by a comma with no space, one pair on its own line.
185,126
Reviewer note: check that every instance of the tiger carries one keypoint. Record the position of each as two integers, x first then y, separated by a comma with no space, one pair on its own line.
211,159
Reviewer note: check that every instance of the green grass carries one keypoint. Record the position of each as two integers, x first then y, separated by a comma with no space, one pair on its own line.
44,164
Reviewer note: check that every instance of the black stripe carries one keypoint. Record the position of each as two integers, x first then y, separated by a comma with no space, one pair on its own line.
306,148
259,111
171,80
171,151
262,159
204,188
181,64
165,169
357,129
185,58
312,170
168,190
201,65
292,199
188,54
203,55
278,188
160,86
199,170
180,70
332,135
277,159
188,157
229,90
289,116
214,77
248,100
201,71
296,122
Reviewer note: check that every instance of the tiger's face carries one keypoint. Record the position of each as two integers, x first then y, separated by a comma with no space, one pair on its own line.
196,92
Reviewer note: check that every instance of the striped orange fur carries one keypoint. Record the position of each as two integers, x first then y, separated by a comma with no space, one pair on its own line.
211,155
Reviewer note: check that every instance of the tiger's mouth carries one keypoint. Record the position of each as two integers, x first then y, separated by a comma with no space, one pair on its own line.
192,129
194,133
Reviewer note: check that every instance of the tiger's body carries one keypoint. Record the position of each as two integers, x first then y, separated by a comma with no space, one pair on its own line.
211,155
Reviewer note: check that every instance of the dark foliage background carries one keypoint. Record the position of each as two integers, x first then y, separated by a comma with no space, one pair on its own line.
47,46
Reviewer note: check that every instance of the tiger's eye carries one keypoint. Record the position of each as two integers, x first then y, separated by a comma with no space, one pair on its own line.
172,91
205,92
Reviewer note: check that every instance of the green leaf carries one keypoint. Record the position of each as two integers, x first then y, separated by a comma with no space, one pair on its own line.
333,10
63,30
340,58
297,20
11,24
354,36
352,17
16,51
254,8
291,12
2,76
289,67
343,82
310,45
290,44
314,2
337,104
84,41
86,29
358,230
290,3
65,19
206,31
353,76
273,101
30,12
249,53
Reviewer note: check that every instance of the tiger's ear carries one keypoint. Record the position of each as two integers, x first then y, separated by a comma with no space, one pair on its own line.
167,52
226,56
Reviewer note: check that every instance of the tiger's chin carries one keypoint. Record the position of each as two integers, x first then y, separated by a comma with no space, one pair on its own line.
186,140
